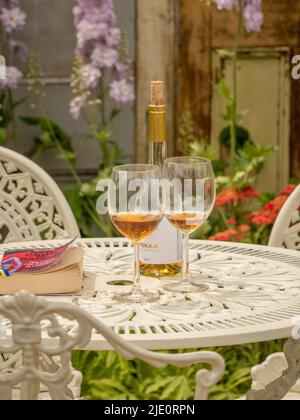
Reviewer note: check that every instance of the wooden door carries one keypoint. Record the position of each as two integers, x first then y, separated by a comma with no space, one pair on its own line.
264,92
264,76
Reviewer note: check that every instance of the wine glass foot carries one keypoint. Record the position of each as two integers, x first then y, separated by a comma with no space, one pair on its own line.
137,296
185,287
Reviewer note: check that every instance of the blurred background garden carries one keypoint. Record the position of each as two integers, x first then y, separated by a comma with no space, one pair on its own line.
75,101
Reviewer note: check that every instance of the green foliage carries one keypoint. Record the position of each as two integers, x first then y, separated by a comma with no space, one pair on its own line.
230,116
82,196
109,376
249,157
52,136
237,165
250,160
112,154
3,135
72,194
242,135
7,116
196,146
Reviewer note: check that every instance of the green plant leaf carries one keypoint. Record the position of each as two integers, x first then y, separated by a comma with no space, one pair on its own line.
52,135
175,385
3,136
19,102
223,90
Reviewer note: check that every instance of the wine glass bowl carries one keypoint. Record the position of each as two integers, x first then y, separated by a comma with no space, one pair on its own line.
135,227
186,222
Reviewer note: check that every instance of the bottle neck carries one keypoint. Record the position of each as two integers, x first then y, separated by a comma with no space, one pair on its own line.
157,134
157,153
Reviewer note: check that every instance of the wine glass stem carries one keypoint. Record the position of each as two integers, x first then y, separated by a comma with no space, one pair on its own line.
186,257
137,275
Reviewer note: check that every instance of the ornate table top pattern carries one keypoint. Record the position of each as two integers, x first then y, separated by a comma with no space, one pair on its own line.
254,295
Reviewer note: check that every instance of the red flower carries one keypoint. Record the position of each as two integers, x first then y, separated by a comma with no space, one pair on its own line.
269,206
227,196
264,218
288,190
232,221
244,228
224,236
276,204
249,216
248,193
239,236
232,232
268,214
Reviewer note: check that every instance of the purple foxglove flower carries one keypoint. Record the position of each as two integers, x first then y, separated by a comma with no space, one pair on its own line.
78,14
90,76
122,91
121,69
77,105
89,31
13,19
98,39
225,4
251,10
253,15
104,56
113,37
18,50
13,77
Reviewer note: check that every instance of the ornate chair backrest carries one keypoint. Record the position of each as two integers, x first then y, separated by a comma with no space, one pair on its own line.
286,230
40,338
32,207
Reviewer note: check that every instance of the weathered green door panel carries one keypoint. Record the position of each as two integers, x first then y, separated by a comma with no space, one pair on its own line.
264,89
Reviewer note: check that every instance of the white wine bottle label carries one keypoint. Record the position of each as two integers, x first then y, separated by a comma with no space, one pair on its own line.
164,246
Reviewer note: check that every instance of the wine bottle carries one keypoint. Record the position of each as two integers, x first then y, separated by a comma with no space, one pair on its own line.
161,253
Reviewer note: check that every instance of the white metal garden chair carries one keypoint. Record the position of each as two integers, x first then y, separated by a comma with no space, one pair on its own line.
40,349
286,230
32,207
279,376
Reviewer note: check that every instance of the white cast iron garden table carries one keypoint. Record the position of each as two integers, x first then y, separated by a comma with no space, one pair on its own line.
254,295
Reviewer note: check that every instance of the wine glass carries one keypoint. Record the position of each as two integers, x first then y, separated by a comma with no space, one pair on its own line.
135,208
189,201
